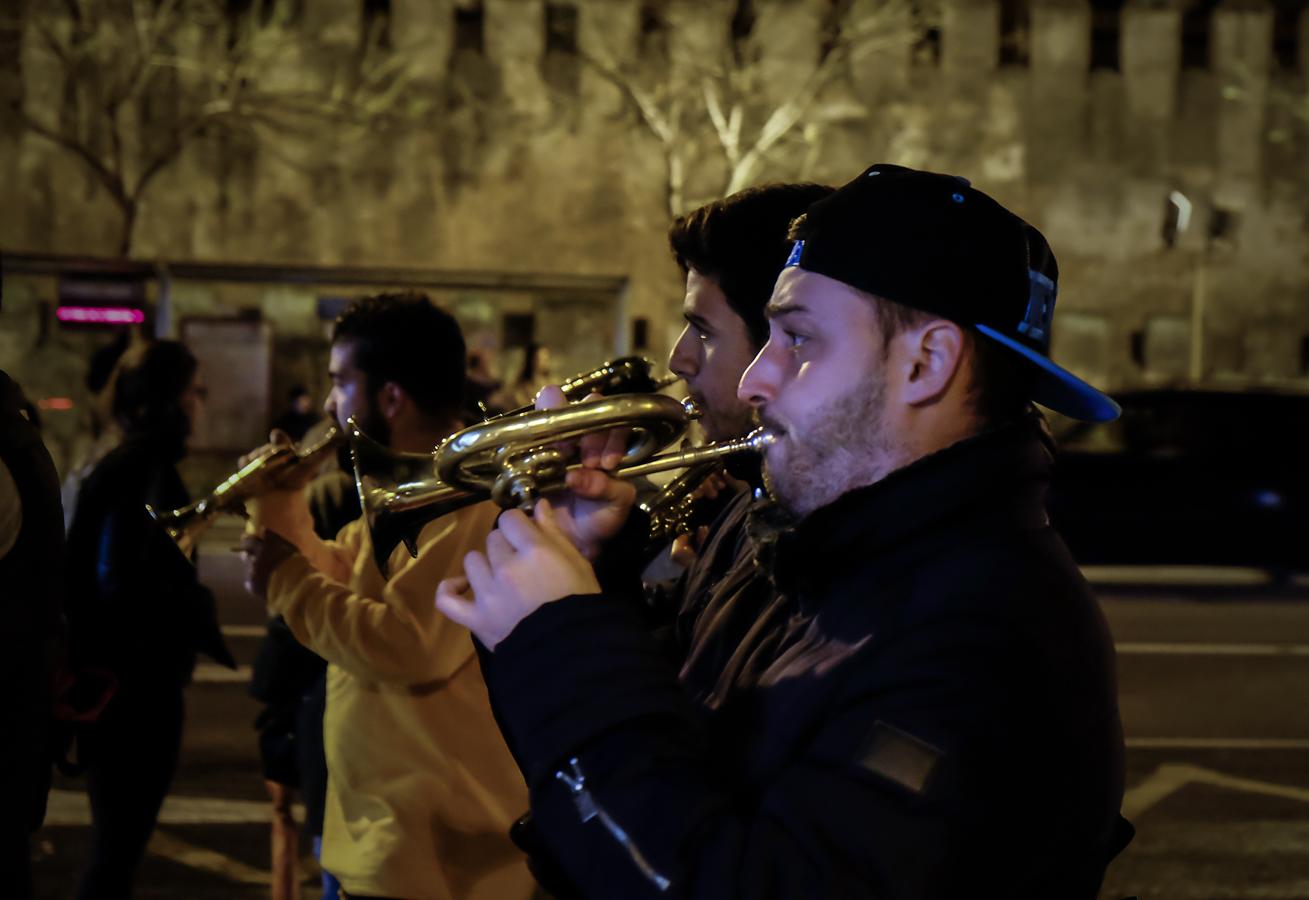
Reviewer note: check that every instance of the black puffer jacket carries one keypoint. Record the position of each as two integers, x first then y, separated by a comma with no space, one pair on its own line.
135,604
926,707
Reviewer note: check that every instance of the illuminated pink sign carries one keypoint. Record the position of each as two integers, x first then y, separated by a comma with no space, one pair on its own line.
100,315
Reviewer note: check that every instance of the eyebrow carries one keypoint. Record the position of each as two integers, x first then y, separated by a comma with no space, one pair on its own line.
697,321
776,310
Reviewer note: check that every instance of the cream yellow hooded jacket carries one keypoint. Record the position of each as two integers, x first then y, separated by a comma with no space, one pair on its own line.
421,788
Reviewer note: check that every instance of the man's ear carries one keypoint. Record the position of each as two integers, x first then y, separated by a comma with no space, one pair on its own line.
935,358
391,400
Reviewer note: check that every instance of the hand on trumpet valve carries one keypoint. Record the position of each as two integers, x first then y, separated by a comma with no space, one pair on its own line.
282,507
529,562
595,505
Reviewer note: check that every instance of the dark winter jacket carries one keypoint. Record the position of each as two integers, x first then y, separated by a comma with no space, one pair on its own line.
925,706
31,598
135,604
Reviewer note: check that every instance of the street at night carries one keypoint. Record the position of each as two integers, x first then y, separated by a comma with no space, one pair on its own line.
1212,685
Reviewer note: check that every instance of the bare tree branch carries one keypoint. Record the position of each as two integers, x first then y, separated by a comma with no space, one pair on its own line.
107,178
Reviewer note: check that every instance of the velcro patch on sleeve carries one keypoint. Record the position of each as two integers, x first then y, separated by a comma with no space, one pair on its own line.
900,757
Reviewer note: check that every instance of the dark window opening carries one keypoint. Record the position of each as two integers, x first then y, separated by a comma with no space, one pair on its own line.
1015,32
1138,347
743,19
560,68
640,333
653,40
1106,32
1195,33
469,29
561,28
927,50
1286,33
236,10
1222,224
377,23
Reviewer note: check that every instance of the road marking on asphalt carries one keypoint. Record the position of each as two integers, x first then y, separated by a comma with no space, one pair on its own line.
1199,743
211,673
245,631
1181,576
179,851
1150,648
74,808
1172,777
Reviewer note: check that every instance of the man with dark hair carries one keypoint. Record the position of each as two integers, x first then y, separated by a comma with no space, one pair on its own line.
421,789
928,707
730,252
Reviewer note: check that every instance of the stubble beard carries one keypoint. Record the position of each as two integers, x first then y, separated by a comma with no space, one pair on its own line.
846,447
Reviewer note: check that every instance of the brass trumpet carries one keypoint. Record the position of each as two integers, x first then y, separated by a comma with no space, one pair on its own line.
672,510
186,524
383,477
516,459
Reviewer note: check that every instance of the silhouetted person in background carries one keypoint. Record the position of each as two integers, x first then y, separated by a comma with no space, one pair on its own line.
31,592
136,608
300,415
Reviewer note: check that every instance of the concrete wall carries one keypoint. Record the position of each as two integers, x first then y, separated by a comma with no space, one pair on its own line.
492,155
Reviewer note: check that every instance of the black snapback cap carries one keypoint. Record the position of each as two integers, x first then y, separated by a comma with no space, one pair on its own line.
935,243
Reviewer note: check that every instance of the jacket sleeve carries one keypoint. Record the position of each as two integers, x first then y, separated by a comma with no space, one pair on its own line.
635,796
383,630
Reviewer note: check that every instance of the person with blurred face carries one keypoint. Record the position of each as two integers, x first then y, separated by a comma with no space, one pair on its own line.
32,571
136,609
926,707
421,789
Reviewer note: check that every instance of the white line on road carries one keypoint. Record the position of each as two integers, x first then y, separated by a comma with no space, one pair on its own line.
245,631
1150,648
73,808
1172,777
1200,743
210,673
179,851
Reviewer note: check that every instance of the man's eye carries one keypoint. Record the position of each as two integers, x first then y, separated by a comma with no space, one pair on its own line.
795,340
702,335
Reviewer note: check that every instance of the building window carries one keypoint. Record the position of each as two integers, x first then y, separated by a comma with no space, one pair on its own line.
927,50
560,68
654,32
1286,33
1015,32
1106,30
1196,21
469,29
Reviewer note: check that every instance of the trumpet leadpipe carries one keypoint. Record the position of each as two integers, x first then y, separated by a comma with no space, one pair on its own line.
757,441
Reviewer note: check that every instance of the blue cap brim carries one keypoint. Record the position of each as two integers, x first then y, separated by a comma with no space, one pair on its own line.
1057,388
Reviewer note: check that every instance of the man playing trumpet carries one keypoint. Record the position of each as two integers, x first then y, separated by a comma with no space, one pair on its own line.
927,706
421,789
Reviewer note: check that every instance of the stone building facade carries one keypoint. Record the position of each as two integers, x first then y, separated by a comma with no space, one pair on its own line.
511,138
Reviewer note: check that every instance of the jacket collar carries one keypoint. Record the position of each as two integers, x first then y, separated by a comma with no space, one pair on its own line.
998,473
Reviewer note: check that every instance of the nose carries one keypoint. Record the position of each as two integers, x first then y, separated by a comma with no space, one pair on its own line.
682,361
329,405
760,380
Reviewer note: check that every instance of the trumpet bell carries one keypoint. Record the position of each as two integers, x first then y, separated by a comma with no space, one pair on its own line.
185,525
388,483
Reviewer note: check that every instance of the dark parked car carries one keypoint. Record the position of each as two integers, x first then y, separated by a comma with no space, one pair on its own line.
1189,477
